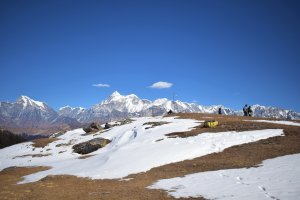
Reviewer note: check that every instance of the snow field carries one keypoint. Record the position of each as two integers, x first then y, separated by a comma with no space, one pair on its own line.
277,178
133,149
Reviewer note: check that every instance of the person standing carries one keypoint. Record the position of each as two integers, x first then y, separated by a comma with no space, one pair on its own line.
220,111
250,111
245,110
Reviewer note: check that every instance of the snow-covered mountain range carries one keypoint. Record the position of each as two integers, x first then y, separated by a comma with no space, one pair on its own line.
118,106
29,114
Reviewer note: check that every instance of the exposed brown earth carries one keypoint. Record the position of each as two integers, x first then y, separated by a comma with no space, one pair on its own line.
70,187
41,143
85,156
154,124
33,155
40,130
226,123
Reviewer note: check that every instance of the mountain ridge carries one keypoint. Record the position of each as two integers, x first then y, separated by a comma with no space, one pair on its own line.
117,106
30,116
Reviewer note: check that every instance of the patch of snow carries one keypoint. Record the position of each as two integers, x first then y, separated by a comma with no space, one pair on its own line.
133,149
71,108
159,102
276,122
65,107
277,178
115,94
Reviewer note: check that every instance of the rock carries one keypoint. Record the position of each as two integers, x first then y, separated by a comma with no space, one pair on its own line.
92,128
90,146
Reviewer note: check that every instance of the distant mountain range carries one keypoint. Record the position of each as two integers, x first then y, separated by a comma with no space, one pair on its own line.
30,116
117,106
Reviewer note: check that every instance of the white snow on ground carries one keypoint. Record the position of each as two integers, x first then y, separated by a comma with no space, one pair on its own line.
277,178
276,122
133,149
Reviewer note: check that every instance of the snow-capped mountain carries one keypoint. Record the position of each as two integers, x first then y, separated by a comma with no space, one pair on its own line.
68,111
118,106
30,116
273,112
33,116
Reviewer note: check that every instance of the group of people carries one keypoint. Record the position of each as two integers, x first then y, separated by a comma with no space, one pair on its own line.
247,111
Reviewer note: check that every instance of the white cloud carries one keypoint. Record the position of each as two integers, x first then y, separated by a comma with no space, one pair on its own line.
161,85
101,85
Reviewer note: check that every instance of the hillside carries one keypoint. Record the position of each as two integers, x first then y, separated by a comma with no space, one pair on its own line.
147,150
7,138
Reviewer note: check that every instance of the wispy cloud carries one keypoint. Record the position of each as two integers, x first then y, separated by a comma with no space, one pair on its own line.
161,85
101,85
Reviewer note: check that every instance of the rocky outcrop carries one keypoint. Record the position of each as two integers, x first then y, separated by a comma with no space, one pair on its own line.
90,146
93,128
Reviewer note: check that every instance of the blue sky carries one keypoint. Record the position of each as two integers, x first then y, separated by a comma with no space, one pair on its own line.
213,52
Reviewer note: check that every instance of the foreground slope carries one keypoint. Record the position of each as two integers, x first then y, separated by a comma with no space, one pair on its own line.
213,154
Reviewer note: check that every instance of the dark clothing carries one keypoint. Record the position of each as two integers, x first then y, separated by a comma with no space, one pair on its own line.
107,126
245,110
249,111
220,111
170,112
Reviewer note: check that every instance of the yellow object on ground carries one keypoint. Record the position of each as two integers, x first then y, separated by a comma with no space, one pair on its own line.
210,123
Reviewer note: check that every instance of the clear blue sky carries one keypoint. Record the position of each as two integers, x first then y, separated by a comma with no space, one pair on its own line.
213,52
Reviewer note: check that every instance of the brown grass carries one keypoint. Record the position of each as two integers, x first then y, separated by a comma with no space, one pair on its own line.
85,156
154,124
226,123
41,143
70,187
32,155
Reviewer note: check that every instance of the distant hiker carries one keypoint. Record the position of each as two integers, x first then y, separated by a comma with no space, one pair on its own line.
249,111
170,112
106,126
245,110
134,132
220,111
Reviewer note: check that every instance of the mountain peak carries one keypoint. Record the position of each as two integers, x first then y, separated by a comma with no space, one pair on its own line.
115,94
24,98
27,101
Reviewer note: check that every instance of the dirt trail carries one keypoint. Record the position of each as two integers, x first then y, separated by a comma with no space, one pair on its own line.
70,187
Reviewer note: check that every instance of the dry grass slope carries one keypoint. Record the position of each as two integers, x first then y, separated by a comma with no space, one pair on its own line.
41,143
